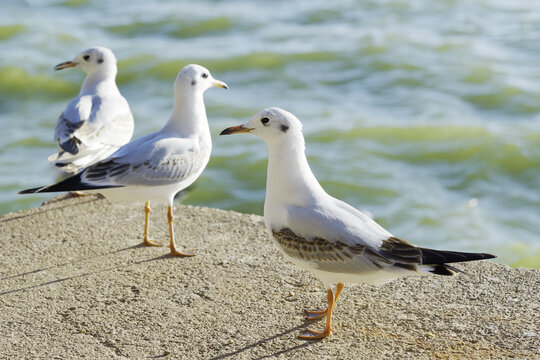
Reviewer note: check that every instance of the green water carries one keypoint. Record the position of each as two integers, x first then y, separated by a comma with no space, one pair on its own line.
424,113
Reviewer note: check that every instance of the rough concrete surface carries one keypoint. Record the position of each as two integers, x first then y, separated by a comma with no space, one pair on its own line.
77,283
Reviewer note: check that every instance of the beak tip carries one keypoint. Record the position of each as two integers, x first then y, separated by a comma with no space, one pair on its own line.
235,130
64,65
220,84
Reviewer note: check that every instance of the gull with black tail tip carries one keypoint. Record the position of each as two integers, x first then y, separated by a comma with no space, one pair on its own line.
324,235
157,166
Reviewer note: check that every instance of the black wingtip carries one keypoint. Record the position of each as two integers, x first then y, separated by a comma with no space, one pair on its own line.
30,191
72,183
436,257
439,260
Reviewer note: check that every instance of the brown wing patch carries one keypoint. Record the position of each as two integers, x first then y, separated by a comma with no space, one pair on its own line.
400,251
316,249
393,252
405,253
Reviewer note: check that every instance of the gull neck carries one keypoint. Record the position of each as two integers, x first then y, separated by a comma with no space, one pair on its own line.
99,82
290,179
188,117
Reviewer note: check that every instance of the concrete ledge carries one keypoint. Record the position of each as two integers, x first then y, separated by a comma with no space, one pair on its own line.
75,282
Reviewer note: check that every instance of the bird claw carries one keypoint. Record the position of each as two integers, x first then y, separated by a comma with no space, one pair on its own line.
314,335
185,253
315,314
151,242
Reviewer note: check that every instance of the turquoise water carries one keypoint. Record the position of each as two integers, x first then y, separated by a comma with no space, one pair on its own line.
424,113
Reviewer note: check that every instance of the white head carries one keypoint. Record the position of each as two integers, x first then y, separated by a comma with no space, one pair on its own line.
195,79
273,125
93,60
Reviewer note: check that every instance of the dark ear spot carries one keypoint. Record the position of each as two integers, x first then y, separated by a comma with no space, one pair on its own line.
284,128
100,60
194,82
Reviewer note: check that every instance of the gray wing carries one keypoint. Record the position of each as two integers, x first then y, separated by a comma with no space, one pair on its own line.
149,161
72,119
334,220
89,123
336,237
64,134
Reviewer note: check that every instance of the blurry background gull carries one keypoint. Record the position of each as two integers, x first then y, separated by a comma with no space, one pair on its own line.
98,121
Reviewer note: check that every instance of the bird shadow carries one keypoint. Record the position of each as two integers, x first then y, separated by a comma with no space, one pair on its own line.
78,261
54,281
50,207
233,354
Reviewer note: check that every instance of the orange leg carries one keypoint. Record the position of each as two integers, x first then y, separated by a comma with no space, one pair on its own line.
320,313
146,223
171,233
317,335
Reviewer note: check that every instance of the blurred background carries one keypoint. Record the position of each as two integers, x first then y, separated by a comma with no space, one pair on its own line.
424,113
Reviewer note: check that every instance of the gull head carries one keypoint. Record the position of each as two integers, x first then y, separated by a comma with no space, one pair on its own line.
195,79
92,60
271,125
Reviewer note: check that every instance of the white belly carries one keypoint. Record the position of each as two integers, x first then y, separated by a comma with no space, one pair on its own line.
135,193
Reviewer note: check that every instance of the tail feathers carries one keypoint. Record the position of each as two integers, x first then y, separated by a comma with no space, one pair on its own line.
441,257
435,261
72,183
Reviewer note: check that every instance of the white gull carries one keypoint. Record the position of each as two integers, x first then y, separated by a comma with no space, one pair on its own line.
157,166
324,235
98,121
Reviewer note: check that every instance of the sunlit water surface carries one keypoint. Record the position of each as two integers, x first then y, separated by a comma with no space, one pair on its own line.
424,113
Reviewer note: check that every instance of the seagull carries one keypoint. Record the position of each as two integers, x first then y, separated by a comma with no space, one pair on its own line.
98,121
156,166
324,235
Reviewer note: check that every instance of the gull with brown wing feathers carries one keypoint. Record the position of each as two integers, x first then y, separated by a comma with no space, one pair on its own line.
324,235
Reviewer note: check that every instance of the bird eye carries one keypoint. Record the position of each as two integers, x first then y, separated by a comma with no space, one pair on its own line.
265,120
86,57
205,75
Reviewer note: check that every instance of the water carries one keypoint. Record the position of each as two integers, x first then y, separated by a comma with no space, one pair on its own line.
424,113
